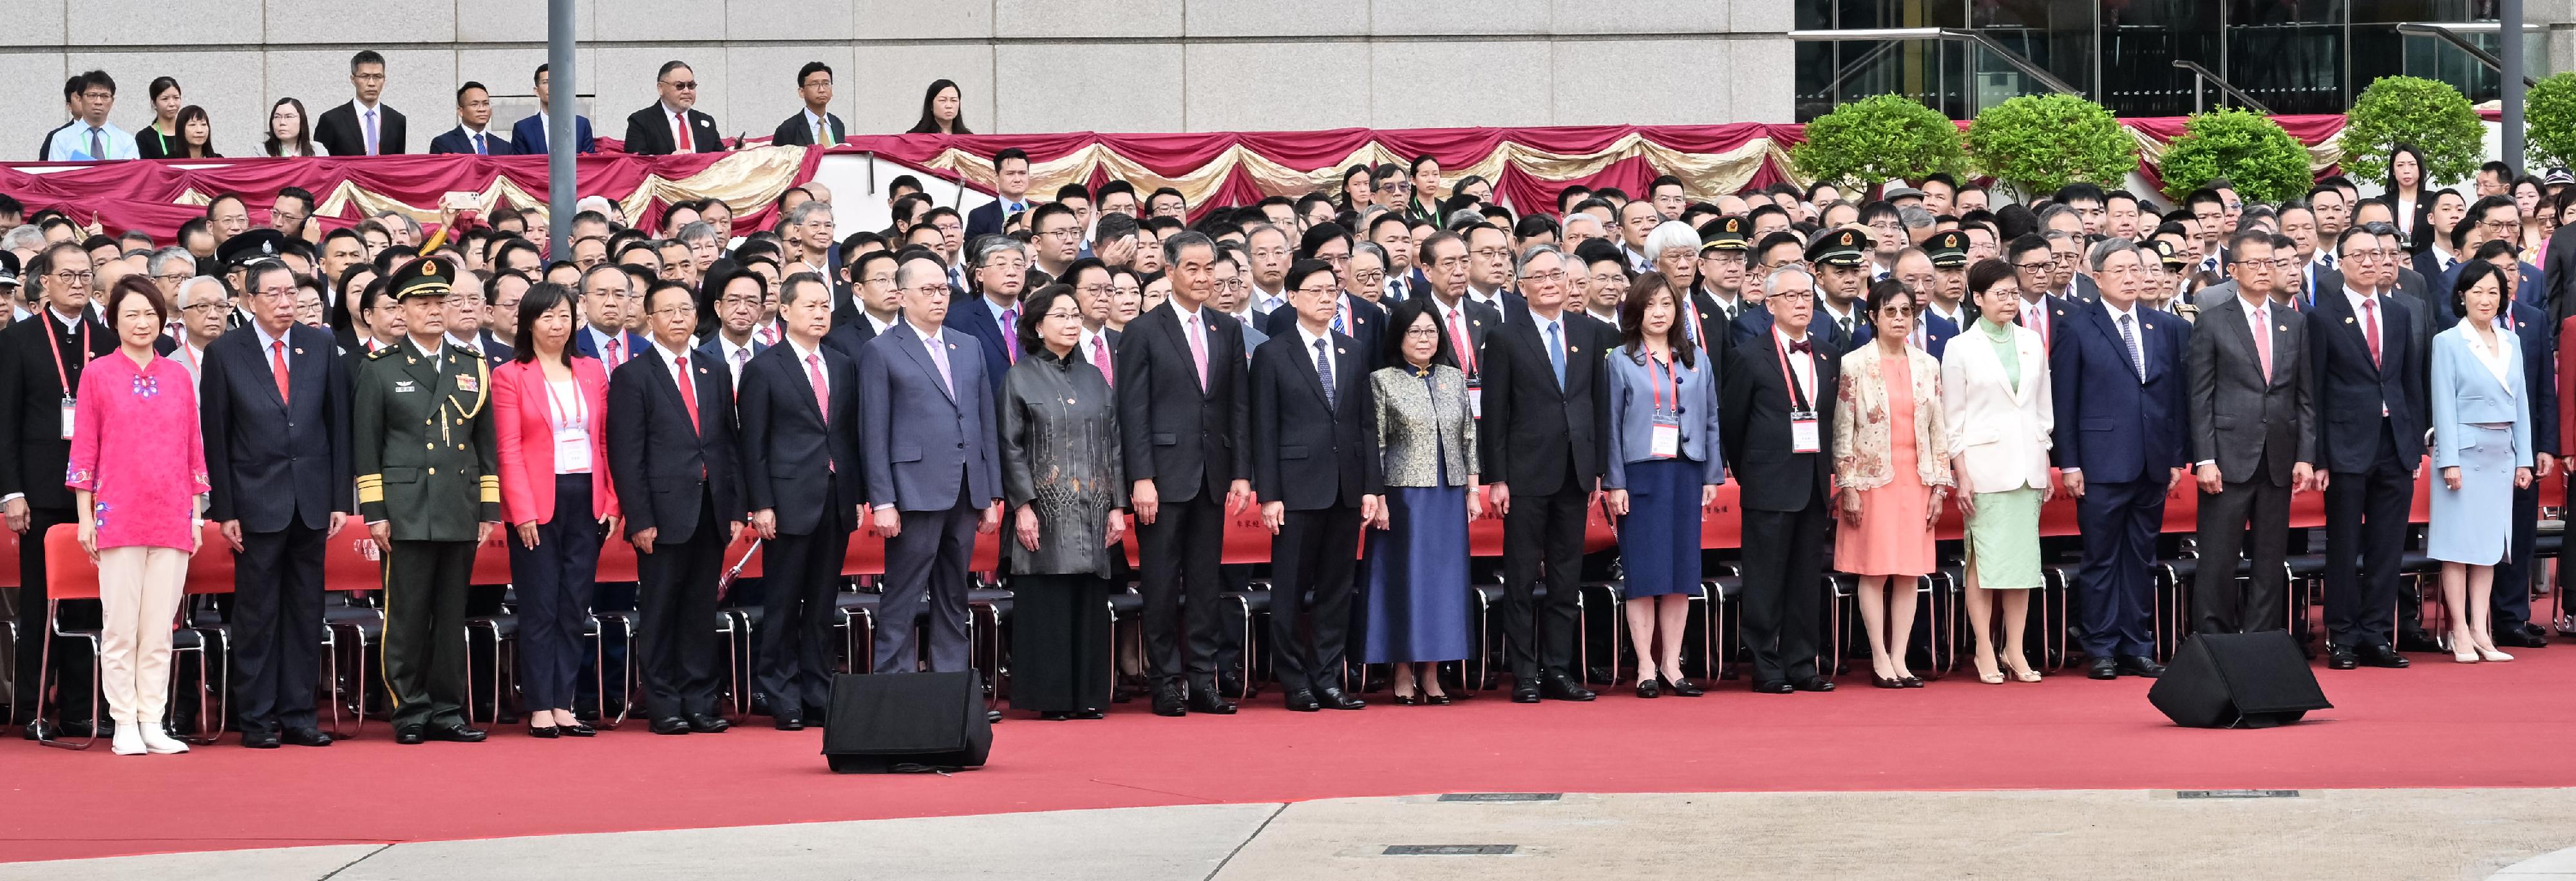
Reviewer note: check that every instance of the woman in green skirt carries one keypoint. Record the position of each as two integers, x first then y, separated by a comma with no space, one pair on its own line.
1994,392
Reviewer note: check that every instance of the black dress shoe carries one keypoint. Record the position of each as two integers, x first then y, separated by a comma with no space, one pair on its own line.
2101,668
2341,657
1875,681
991,716
410,736
1649,688
2536,631
1335,699
707,723
1774,687
2382,656
1524,693
1089,714
578,729
456,733
544,732
1910,681
789,722
1168,701
259,739
1054,716
37,729
1813,683
306,737
1409,700
2419,640
1230,687
1441,700
1685,688
2140,666
2520,638
1303,701
1559,688
1205,700
671,725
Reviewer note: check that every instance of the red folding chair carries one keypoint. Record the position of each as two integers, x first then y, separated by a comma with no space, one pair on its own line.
70,574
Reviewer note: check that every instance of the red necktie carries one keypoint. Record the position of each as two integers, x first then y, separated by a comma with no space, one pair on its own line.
822,396
681,118
1458,339
613,360
1100,358
277,367
2370,328
689,394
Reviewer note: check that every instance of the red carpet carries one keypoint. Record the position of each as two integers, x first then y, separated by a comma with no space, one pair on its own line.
2389,728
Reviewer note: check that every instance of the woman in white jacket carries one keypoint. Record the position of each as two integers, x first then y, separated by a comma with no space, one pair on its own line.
1994,393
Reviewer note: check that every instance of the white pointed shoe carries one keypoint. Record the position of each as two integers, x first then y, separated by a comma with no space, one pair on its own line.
158,741
128,741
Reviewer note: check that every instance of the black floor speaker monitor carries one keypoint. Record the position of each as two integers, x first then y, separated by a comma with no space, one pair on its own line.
889,722
2237,680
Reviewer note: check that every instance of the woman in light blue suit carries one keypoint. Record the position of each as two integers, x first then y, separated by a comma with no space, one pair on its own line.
2482,448
1664,470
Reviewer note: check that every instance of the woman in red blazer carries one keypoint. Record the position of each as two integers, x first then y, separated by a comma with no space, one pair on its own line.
549,416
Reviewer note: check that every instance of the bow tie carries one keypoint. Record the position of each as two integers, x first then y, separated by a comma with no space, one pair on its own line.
1802,347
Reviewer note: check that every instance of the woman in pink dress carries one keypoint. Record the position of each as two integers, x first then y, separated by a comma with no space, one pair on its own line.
1888,444
138,470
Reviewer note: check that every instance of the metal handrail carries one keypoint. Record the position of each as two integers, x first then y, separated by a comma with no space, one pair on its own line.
2200,74
2034,71
2448,35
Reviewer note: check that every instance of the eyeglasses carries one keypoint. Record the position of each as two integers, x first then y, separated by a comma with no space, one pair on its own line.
683,85
173,277
738,300
931,290
1551,276
2035,267
1066,234
1793,296
272,293
1314,291
1411,332
70,277
1334,259
1491,253
1270,253
1093,289
202,308
1062,315
1397,187
2499,225
1369,278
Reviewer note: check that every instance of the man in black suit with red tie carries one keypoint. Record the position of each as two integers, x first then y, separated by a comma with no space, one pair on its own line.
1775,419
802,481
673,125
40,358
274,404
1183,416
1541,457
671,450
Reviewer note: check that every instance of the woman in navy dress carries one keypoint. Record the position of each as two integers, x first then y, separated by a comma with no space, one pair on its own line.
2481,449
1664,470
1416,609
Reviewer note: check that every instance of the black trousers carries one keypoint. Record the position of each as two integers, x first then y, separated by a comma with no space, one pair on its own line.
1060,652
927,559
555,581
2114,595
71,657
2366,523
793,661
2251,517
1177,557
277,627
424,644
676,619
2511,605
1784,571
1542,538
1311,560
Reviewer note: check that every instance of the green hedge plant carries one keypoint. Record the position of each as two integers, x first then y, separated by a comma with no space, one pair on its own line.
2251,151
1874,139
2429,114
2549,121
2038,143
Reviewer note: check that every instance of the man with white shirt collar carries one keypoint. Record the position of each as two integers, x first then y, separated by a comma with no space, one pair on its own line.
799,414
1489,270
530,134
814,124
466,313
32,495
673,124
1843,274
880,301
473,133
1636,219
1269,251
1444,263
91,137
1000,265
203,305
1233,296
364,126
607,292
1010,195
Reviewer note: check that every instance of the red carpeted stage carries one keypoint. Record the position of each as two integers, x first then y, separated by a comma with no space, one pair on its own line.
2437,725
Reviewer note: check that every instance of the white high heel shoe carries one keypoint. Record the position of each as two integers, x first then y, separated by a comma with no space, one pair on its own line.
158,741
128,741
2487,654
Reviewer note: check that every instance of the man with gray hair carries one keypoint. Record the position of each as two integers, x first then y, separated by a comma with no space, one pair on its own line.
169,267
805,240
999,272
203,305
1580,227
1775,426
704,245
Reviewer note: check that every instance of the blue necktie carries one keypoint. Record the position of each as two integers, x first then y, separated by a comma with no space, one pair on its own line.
2129,347
96,149
478,147
1556,354
1324,371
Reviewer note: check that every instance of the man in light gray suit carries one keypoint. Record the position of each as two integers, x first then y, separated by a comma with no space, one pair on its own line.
933,462
2253,439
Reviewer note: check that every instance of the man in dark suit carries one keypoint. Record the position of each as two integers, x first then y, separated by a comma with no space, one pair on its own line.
672,125
1351,317
1918,270
1541,456
1010,195
275,409
2118,374
607,293
671,451
1468,323
1775,429
2253,440
1315,469
2371,441
1183,414
40,358
934,464
815,124
802,480
875,304
531,134
362,127
473,133
1001,266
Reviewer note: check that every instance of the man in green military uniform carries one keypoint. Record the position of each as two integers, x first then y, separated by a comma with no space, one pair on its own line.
429,488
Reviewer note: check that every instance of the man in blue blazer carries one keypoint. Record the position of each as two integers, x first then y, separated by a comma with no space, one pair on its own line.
531,133
934,463
607,292
1010,194
274,403
1001,269
801,478
2119,380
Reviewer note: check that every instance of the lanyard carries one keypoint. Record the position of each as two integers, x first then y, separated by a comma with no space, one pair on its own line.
1671,381
1797,393
579,417
60,374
